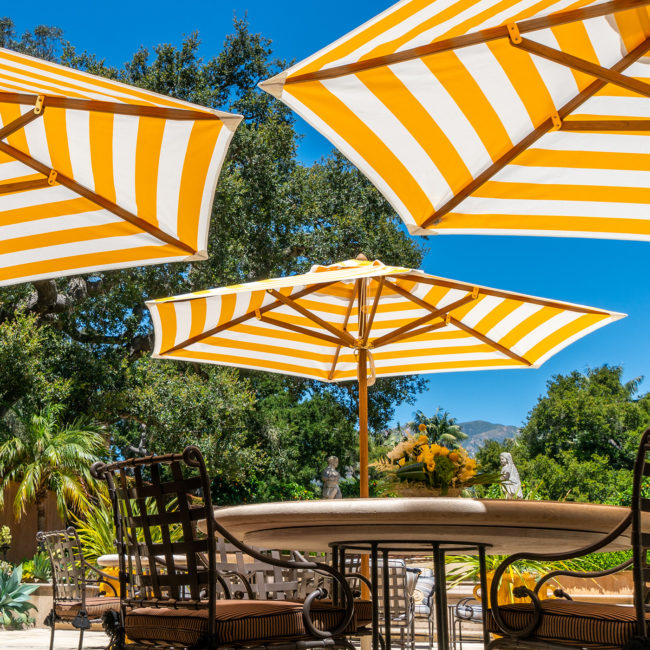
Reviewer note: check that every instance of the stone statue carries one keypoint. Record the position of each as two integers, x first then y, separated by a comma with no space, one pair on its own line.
510,481
331,478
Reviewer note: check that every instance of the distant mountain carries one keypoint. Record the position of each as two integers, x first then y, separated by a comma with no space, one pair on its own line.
479,431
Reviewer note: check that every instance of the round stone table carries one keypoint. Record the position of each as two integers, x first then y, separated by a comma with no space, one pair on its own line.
505,526
440,525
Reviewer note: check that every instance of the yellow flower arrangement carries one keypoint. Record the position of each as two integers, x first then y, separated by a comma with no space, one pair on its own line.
422,461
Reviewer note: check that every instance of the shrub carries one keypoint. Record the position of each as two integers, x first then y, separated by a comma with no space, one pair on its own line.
14,599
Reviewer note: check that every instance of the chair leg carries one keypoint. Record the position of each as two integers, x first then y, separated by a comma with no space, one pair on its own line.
81,638
53,626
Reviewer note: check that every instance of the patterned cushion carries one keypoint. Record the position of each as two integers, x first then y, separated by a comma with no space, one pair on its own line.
236,621
596,625
423,593
95,607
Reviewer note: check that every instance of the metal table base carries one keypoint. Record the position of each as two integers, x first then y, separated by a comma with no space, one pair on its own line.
385,547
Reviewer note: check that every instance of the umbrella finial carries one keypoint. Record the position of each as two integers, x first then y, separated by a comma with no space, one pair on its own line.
362,258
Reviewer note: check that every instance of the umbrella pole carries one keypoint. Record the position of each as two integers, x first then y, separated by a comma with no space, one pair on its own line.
363,424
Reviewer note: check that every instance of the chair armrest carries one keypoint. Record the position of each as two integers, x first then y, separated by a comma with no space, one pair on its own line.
104,577
242,578
521,592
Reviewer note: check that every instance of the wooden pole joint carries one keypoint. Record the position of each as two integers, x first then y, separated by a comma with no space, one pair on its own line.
39,105
513,33
51,179
557,122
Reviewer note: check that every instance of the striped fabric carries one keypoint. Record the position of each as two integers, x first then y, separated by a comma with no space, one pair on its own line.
592,625
96,175
95,607
465,130
238,621
308,325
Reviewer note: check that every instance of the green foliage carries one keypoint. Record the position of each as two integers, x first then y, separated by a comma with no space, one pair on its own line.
441,428
580,440
14,599
38,569
96,528
587,414
43,454
488,454
96,531
44,42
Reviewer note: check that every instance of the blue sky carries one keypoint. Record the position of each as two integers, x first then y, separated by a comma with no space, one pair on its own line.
608,274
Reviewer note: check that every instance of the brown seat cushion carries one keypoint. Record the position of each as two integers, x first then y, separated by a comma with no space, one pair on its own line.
95,607
237,621
596,625
362,614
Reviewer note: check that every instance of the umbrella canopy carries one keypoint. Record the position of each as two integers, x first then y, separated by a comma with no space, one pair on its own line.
492,117
95,174
362,320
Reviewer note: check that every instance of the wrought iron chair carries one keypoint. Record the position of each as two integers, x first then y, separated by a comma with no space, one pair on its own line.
166,604
423,597
466,610
71,577
401,585
558,623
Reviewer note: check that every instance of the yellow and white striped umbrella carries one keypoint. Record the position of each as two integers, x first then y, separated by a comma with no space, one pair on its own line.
334,321
95,174
483,117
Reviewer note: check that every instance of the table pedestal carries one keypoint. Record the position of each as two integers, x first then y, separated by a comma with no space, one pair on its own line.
385,548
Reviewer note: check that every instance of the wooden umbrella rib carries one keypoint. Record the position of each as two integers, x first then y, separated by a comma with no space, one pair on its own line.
467,40
117,108
595,126
346,320
237,321
451,284
23,186
582,65
302,330
96,198
490,342
19,123
533,136
289,302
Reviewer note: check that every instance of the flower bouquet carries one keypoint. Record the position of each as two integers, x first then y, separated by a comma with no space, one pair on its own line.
419,467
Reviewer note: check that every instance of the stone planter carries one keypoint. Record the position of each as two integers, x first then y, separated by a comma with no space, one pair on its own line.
617,588
42,600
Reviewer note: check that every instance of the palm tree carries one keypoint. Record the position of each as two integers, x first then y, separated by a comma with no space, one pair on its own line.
45,455
441,428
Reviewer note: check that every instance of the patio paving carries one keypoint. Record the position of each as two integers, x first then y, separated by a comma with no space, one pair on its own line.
38,638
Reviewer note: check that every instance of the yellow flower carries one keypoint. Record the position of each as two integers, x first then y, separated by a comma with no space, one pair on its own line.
443,451
423,439
402,462
431,466
420,458
422,427
454,457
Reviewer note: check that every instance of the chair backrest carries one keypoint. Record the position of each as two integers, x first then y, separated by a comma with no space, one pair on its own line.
156,511
68,574
641,540
399,589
